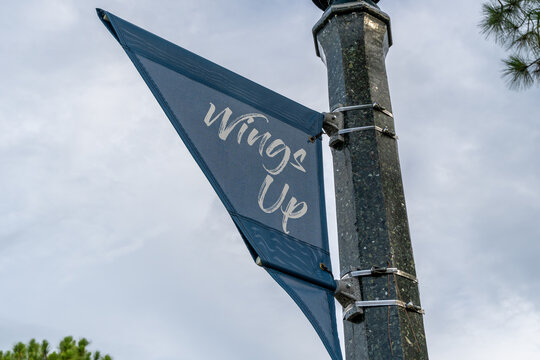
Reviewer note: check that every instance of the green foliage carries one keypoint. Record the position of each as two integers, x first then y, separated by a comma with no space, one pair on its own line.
515,24
68,349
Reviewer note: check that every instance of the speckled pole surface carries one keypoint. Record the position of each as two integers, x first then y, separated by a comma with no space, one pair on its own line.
372,219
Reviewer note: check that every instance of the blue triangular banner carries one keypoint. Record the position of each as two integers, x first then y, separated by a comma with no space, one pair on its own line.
253,146
316,303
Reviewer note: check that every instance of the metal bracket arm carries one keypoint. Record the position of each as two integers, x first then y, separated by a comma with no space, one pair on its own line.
384,131
377,303
348,293
379,271
373,106
332,125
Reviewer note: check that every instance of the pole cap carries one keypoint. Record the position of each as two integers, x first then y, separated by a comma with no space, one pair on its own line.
324,4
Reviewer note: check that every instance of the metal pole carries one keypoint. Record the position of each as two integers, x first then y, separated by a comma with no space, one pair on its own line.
352,39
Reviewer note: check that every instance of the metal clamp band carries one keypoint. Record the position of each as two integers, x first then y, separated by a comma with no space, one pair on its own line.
378,271
377,303
374,106
384,131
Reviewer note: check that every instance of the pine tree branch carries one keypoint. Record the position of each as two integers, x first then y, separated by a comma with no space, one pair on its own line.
515,25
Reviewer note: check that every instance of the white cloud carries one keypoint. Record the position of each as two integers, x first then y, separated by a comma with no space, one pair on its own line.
109,230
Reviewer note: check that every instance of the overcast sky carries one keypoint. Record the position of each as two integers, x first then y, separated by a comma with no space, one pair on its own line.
109,230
